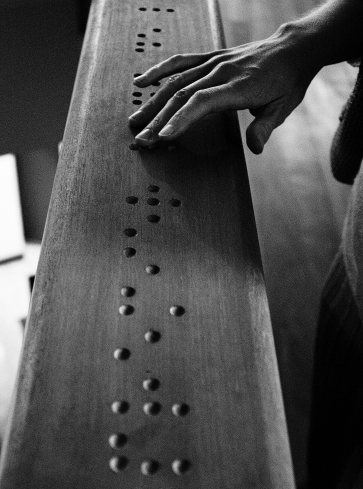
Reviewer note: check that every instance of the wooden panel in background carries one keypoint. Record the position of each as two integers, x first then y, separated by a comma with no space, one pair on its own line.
152,255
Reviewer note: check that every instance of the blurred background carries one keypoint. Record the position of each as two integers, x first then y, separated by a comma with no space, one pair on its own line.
299,207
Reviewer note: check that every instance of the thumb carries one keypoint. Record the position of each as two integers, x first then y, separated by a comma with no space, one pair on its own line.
259,131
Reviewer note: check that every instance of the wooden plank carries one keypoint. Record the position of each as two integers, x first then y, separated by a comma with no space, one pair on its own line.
195,387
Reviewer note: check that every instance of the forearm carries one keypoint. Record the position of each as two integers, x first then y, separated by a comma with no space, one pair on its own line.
333,31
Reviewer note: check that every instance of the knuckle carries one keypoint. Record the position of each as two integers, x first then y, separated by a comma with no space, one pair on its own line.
176,59
181,94
202,97
174,80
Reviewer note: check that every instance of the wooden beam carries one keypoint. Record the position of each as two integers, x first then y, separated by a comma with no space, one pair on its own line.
148,358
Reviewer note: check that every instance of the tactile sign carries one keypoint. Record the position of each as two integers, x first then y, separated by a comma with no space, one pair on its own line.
148,360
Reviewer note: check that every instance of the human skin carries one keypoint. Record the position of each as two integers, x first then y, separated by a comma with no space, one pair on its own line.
268,77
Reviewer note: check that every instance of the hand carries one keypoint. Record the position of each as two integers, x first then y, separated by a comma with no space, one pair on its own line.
268,77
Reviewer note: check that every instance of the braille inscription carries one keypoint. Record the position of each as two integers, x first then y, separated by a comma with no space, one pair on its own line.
122,354
149,467
180,409
117,464
152,269
153,218
117,440
151,384
132,200
152,408
120,407
129,252
152,336
180,467
128,291
153,188
177,310
126,310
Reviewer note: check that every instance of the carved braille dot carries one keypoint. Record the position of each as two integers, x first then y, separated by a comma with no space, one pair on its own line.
132,200
177,310
139,50
175,202
156,44
128,291
152,408
130,232
153,201
153,218
117,440
180,409
122,354
117,464
151,384
149,467
152,336
156,84
137,74
141,35
180,467
152,94
170,10
137,102
129,252
157,29
153,188
137,94
156,9
140,43
152,269
120,407
142,9
126,310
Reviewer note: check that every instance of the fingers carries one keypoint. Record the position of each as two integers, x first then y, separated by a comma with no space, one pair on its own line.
174,64
267,119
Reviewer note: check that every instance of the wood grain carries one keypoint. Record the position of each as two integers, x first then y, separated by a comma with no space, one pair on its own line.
218,357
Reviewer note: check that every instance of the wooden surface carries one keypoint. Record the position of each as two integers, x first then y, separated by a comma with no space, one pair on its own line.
217,357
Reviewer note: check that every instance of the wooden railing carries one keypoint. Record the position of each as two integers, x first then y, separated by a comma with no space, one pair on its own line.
148,358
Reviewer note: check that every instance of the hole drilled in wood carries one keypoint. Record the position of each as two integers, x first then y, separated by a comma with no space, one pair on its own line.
128,291
151,384
180,467
117,440
118,464
122,354
153,218
153,188
175,202
130,232
153,201
120,407
177,310
132,200
149,467
126,310
152,408
152,336
152,269
180,409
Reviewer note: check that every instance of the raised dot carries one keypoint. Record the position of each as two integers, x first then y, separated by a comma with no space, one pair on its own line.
175,202
153,188
153,218
139,50
122,354
130,232
120,407
177,310
140,43
151,384
157,29
117,440
180,409
156,9
126,310
142,9
152,336
153,201
132,200
137,94
152,408
156,44
180,467
117,464
128,291
129,252
152,269
149,467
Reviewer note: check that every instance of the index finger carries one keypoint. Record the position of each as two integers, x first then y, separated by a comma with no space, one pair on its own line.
172,65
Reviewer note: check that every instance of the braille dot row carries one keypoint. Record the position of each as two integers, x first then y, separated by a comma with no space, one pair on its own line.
155,9
149,467
151,408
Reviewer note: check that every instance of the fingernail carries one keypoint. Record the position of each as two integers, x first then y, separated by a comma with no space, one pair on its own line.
167,130
145,135
135,116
